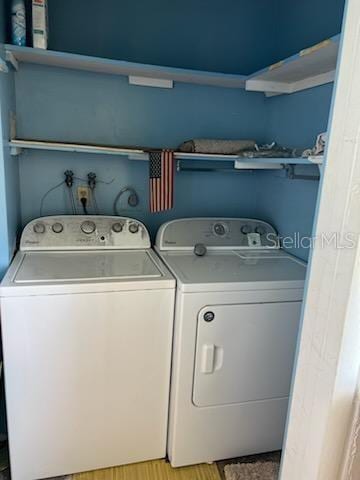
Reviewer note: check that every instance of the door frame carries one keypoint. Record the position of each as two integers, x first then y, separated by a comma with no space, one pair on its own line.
328,353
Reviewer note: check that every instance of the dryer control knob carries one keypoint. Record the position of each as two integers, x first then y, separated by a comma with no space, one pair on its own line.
39,227
88,227
57,227
209,316
219,229
200,250
133,228
245,229
117,227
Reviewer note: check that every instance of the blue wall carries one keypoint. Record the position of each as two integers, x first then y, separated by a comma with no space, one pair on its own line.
73,106
293,120
225,36
86,107
69,105
204,194
304,23
236,36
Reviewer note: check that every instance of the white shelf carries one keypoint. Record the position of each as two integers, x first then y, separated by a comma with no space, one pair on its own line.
18,145
17,55
309,68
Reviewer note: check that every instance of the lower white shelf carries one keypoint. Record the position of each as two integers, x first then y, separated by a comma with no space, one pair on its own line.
18,145
240,163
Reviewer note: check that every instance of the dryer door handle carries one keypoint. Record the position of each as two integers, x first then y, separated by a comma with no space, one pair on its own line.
207,358
212,357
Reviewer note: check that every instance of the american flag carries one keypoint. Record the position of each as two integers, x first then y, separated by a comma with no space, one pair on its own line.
161,180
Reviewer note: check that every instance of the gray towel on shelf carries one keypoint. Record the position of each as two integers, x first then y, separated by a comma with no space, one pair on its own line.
225,147
271,150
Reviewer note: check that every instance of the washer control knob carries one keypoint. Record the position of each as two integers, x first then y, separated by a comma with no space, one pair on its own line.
200,250
117,227
39,227
57,227
260,230
209,316
133,227
88,227
219,229
245,229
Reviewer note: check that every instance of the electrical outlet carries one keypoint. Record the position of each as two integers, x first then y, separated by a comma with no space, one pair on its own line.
83,192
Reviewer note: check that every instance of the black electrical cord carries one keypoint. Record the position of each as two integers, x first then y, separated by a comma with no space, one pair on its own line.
83,201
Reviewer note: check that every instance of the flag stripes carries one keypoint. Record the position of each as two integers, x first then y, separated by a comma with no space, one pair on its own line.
161,180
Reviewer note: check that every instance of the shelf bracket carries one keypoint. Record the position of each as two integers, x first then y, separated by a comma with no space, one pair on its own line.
15,151
10,58
290,173
229,168
150,82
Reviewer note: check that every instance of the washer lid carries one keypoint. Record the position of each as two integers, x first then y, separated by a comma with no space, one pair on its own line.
57,267
53,273
236,270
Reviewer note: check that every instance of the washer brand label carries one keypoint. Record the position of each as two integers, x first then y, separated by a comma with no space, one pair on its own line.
32,242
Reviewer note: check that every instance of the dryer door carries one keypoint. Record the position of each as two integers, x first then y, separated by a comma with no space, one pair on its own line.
245,352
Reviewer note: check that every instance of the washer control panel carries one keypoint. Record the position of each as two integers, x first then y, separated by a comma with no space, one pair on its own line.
79,232
219,233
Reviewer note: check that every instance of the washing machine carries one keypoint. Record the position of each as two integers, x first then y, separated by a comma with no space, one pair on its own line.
87,316
238,303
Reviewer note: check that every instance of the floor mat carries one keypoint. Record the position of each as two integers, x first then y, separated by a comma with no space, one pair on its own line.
153,470
252,471
258,458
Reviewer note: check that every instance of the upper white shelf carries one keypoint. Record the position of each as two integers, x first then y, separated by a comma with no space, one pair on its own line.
17,145
309,68
73,61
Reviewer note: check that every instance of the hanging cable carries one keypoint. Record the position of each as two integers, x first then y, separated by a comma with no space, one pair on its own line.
46,194
133,199
72,201
96,208
92,185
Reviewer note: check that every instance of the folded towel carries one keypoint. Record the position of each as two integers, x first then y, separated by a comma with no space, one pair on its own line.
272,150
319,147
226,147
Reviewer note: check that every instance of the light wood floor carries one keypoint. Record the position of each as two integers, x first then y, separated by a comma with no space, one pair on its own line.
154,470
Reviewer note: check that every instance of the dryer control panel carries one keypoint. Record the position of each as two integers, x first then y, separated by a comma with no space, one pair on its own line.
219,233
84,232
